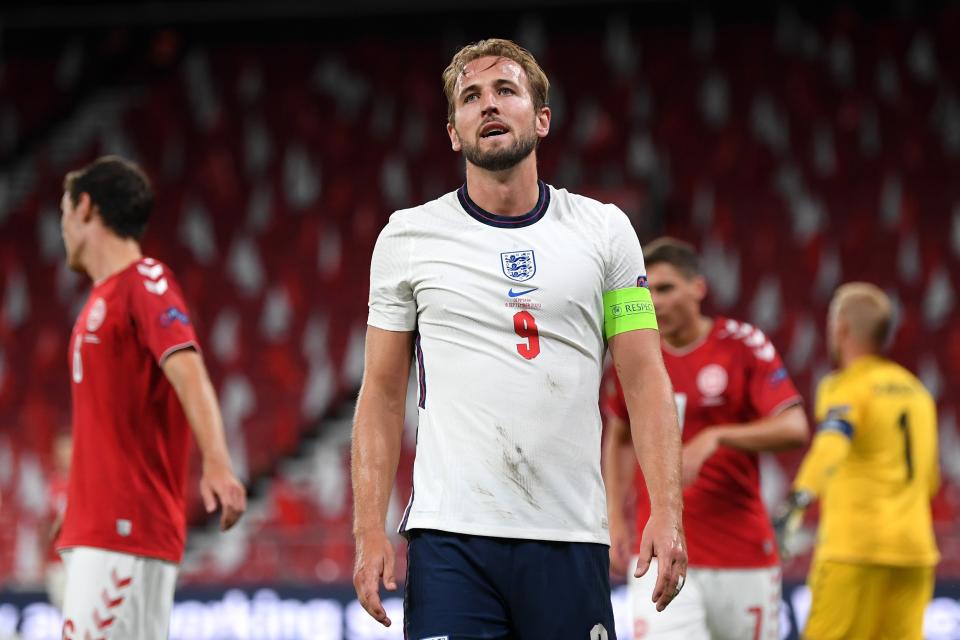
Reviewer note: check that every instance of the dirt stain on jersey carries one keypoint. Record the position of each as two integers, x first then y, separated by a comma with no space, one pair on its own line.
521,473
553,386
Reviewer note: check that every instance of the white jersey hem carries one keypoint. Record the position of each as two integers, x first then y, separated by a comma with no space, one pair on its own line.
493,531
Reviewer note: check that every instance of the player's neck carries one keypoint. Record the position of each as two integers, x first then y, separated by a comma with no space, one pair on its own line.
852,352
690,333
112,254
513,192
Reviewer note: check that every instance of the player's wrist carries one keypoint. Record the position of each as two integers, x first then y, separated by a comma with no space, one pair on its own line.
218,461
721,435
364,532
616,521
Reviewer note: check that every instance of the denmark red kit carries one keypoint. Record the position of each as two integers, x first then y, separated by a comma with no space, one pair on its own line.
130,435
732,376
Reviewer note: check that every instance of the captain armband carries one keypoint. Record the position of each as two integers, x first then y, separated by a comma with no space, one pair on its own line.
627,310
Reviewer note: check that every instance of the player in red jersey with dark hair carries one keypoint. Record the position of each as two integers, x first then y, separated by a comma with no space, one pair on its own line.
734,399
139,385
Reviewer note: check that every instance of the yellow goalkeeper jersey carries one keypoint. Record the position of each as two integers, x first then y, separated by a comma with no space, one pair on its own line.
875,505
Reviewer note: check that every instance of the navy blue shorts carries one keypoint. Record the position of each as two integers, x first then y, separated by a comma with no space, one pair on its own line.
463,587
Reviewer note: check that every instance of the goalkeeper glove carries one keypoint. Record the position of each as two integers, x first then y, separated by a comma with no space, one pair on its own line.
787,521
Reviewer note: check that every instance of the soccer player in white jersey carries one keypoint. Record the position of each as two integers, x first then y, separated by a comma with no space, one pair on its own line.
507,293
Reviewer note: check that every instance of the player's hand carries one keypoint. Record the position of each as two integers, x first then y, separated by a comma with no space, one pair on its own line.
619,546
375,562
695,452
219,486
787,522
663,539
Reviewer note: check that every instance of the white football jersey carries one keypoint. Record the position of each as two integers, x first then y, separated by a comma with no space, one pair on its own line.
509,347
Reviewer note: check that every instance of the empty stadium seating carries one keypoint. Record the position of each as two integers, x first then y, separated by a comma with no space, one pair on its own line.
796,156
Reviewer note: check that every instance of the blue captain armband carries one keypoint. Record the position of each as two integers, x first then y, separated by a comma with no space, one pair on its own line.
628,309
837,425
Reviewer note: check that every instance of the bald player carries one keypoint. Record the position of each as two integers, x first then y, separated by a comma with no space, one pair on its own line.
873,465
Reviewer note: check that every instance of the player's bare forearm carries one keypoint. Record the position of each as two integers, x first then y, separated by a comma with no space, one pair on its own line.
785,430
188,375
377,435
378,425
653,416
656,438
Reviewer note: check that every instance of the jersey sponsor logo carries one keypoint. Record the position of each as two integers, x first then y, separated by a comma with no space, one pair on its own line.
124,527
642,281
172,315
516,294
97,314
712,380
157,288
518,265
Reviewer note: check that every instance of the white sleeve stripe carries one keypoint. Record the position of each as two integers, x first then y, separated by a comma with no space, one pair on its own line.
178,347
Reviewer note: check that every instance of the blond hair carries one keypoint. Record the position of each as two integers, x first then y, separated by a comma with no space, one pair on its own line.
867,310
537,80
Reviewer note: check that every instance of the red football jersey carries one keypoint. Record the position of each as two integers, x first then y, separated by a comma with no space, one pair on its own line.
732,376
130,435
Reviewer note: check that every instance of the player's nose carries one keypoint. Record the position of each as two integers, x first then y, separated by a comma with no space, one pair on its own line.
489,102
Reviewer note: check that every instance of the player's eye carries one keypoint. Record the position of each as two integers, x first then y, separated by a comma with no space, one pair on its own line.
470,97
506,91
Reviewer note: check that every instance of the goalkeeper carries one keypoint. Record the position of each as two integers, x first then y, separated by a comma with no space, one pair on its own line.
873,463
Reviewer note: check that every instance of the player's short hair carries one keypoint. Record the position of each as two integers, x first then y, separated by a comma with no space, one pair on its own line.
677,253
120,190
537,80
867,310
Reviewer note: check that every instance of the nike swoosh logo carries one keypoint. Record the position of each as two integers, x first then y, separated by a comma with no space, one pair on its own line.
514,294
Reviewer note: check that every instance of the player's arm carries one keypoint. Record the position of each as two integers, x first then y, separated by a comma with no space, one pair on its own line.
830,447
785,430
377,435
618,469
188,376
656,439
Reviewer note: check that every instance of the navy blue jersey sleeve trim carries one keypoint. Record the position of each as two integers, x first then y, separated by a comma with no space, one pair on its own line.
421,374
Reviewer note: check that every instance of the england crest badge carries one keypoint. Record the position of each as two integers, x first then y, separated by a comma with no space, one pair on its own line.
519,265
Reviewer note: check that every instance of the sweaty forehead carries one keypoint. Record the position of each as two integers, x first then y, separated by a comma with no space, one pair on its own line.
490,68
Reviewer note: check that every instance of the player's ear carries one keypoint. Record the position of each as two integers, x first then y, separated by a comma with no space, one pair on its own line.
85,208
700,288
454,138
843,328
543,122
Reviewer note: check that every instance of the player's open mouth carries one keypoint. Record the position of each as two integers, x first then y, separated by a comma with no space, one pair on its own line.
493,129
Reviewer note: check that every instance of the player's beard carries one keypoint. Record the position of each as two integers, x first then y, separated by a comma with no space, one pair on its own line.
503,158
